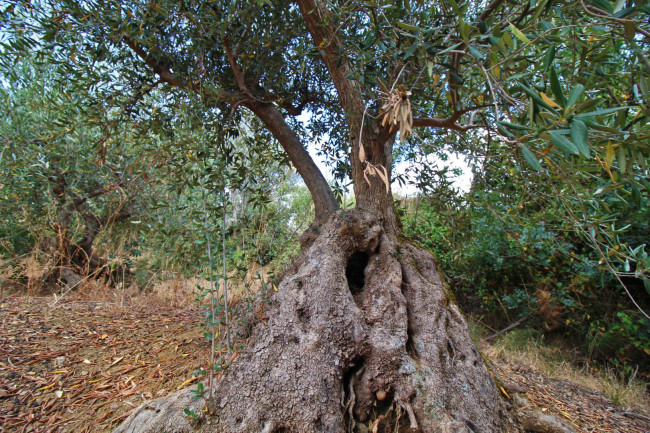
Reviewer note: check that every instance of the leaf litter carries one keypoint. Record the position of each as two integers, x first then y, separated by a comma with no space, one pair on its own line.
84,366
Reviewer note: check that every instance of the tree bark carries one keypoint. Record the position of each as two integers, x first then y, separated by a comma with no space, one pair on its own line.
361,329
321,193
76,260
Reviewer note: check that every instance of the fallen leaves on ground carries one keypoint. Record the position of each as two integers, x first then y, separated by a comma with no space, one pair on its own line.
587,410
84,366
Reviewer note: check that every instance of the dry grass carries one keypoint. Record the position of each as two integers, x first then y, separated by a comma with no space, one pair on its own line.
34,267
527,347
182,292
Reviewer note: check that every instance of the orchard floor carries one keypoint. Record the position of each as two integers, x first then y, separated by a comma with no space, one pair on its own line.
83,366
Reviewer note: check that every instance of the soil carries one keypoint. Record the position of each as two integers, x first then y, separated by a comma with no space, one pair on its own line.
82,366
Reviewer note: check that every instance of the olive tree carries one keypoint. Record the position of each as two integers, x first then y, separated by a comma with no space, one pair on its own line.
362,323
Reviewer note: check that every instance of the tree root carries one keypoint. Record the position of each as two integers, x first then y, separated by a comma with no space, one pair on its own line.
537,421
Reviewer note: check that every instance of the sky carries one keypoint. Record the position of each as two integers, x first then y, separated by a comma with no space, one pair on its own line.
455,160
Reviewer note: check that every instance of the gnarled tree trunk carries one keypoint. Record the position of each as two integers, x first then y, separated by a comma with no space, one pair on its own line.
78,260
362,329
361,326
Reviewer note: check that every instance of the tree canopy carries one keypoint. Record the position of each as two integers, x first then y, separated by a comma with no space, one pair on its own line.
560,88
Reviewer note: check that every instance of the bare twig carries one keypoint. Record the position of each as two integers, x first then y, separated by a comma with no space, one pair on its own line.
506,329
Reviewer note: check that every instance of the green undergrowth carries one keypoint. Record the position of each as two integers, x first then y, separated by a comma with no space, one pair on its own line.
505,260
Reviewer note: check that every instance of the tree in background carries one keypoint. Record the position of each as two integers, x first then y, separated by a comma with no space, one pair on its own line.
60,190
362,317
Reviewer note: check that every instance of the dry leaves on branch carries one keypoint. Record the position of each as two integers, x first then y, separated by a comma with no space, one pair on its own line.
396,111
380,171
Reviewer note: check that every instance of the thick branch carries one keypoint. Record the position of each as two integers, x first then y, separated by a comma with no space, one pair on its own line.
296,110
449,123
320,24
324,201
164,73
94,224
239,74
321,193
434,122
167,76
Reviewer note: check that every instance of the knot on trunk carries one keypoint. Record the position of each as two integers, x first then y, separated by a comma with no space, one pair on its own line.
360,230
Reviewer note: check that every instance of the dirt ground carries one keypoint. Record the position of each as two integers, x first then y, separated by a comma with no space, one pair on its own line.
83,366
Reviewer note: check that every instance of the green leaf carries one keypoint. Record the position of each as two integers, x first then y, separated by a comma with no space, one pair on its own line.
603,4
514,126
609,155
589,104
504,131
533,94
574,95
600,112
464,28
446,50
643,85
502,45
636,196
411,50
530,158
618,6
579,136
621,158
519,35
476,53
556,88
549,57
407,27
546,26
508,40
625,12
562,143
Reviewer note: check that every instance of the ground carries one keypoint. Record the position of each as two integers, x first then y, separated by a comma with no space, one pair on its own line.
82,366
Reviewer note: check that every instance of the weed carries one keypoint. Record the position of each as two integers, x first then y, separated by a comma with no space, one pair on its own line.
198,392
191,415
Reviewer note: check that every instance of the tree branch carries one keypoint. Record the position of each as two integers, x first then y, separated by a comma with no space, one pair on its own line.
494,4
167,76
296,110
239,74
450,122
164,73
324,201
318,20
